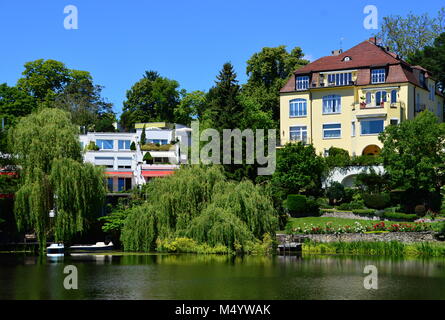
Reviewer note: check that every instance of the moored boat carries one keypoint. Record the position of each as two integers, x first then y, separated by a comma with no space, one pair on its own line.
98,247
55,250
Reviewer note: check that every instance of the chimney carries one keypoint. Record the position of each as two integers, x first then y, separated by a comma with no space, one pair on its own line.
337,52
373,40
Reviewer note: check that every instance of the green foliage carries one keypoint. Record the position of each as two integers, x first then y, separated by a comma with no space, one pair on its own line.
337,158
335,192
414,153
198,203
377,201
153,98
191,106
406,35
399,216
143,136
133,146
371,181
91,146
52,176
300,206
298,170
364,212
156,147
268,70
148,158
432,58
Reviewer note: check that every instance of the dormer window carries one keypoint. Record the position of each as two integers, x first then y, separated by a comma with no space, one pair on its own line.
346,59
378,75
302,83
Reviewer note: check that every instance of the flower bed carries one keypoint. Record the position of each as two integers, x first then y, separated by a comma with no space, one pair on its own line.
357,227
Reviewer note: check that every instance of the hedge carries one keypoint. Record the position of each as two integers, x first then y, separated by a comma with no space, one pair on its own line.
399,216
366,212
300,206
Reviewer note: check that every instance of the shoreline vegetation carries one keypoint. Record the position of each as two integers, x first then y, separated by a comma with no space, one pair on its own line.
377,248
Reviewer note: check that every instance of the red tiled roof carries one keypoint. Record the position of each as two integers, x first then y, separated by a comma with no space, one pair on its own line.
364,56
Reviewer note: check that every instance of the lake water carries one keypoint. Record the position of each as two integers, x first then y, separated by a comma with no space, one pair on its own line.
220,277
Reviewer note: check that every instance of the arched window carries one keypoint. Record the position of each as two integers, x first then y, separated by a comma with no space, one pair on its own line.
380,97
298,108
393,96
331,104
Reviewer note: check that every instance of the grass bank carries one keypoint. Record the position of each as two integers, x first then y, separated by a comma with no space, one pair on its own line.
380,248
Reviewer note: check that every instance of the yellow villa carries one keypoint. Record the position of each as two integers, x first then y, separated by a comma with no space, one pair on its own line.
345,100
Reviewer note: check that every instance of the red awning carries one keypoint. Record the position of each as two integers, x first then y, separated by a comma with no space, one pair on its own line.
119,173
159,173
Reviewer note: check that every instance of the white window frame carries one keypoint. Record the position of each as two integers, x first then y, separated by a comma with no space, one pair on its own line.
378,75
328,101
301,129
300,105
302,83
331,129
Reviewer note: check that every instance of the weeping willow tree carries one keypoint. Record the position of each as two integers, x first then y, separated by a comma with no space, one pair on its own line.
53,177
199,203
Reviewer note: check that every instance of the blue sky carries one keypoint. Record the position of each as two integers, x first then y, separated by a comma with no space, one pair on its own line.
183,40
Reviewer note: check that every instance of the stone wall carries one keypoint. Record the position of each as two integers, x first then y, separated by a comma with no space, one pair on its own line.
405,237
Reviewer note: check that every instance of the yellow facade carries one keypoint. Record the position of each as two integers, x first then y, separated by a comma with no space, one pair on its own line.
354,112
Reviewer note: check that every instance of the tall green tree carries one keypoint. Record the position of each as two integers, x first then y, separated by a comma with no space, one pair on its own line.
433,59
191,107
54,85
414,153
268,71
52,176
406,35
153,98
14,103
224,110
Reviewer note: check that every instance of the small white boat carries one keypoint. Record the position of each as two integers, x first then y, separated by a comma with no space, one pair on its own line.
98,247
55,250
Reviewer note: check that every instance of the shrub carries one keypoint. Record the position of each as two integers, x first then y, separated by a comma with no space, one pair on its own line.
133,146
156,147
300,206
420,210
399,216
377,201
148,158
335,192
353,205
364,212
92,146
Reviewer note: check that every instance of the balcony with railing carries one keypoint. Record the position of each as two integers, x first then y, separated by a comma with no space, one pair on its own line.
364,109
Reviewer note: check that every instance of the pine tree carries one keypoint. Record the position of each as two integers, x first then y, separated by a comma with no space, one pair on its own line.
143,136
225,110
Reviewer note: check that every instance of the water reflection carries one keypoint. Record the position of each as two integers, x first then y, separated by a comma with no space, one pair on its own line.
219,277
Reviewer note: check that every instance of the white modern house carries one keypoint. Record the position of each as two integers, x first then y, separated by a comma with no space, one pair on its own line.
125,168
